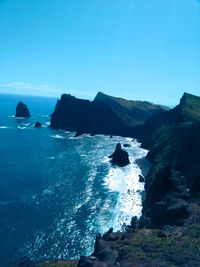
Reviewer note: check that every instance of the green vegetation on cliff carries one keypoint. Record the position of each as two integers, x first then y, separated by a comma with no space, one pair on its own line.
131,112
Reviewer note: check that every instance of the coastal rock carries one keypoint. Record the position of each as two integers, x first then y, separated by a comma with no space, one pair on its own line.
84,116
173,137
134,222
141,179
119,157
101,116
167,198
38,124
170,246
22,110
126,145
131,112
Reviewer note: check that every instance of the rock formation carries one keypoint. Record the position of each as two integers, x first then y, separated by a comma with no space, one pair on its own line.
84,116
101,116
131,112
168,232
171,208
167,198
126,145
22,110
173,140
37,124
119,157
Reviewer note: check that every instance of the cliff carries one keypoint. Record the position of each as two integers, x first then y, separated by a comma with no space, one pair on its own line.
173,140
84,116
104,115
131,112
168,233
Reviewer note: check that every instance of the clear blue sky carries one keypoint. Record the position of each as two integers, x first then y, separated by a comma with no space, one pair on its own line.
137,49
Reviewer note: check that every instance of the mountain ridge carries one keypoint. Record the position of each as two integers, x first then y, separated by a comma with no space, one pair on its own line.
133,112
104,115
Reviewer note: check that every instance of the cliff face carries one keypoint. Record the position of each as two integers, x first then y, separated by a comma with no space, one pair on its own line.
104,115
131,112
84,116
173,140
168,233
170,221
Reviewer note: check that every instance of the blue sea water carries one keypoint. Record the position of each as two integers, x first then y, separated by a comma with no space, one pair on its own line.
57,191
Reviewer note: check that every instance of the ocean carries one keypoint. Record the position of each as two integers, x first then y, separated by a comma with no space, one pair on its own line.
58,191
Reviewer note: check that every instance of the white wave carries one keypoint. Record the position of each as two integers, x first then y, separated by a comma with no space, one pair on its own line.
48,191
21,127
48,123
20,118
50,157
129,139
106,159
57,136
125,181
3,127
45,116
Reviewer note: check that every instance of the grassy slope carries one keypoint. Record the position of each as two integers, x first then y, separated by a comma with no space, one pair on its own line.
131,112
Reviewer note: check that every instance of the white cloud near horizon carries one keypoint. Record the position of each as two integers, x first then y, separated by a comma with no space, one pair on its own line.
42,88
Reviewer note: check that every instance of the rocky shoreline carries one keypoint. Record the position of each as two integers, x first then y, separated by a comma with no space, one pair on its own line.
168,232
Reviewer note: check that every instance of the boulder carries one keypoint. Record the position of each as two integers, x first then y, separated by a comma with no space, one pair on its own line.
22,110
126,145
119,157
141,179
38,124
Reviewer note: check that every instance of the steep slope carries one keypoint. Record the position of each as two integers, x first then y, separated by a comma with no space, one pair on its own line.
174,143
131,112
168,233
84,116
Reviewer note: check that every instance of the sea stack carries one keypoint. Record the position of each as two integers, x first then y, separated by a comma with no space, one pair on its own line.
22,110
38,124
120,157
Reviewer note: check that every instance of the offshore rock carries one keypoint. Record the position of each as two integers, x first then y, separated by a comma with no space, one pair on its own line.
22,110
126,145
38,124
120,157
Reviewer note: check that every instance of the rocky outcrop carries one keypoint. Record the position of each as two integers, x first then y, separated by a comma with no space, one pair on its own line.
167,199
84,116
22,110
24,262
131,112
101,116
38,124
171,246
126,145
173,140
168,232
119,157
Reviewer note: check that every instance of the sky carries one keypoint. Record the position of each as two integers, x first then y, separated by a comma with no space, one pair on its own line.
136,49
